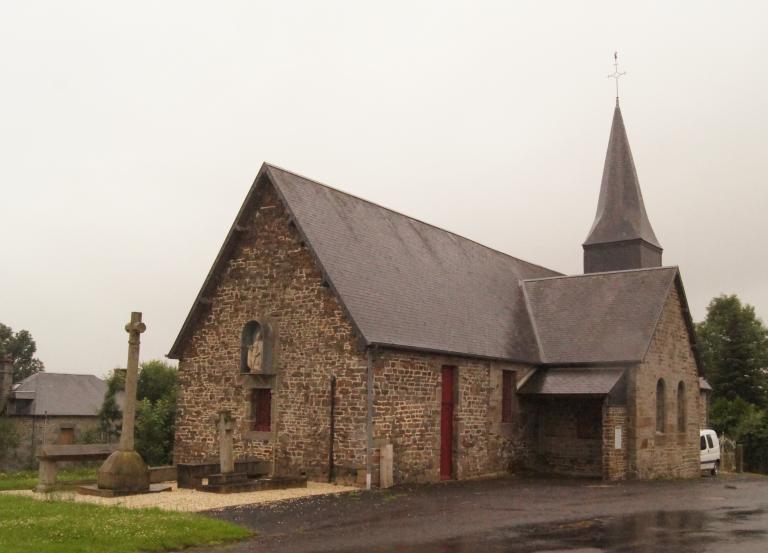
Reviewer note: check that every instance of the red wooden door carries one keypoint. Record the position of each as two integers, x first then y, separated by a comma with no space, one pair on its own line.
446,426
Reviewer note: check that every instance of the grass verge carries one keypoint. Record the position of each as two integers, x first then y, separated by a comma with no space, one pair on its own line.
27,479
67,527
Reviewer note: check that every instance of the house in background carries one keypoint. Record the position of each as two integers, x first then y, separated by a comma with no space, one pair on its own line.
52,408
330,326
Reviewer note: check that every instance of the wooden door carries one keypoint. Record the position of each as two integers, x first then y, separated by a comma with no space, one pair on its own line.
66,436
446,425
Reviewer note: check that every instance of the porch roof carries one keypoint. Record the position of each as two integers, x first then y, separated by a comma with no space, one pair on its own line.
573,381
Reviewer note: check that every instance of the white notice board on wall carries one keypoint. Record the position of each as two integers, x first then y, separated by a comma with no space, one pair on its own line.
617,438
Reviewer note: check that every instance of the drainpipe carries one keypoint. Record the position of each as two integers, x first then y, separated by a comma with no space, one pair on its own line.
332,429
32,444
369,420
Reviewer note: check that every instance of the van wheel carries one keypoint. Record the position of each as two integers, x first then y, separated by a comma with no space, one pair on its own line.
716,469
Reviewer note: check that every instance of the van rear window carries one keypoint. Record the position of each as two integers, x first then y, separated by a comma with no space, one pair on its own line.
709,441
703,443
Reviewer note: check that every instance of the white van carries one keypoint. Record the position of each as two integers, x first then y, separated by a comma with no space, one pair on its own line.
710,451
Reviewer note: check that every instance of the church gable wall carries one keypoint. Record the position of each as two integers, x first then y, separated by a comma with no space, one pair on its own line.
673,453
270,277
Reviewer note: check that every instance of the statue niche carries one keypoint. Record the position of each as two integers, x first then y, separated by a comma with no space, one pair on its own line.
255,348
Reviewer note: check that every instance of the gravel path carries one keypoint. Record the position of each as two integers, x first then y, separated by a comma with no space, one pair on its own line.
180,499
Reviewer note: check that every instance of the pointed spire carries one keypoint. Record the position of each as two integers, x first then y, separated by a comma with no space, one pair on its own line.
621,212
621,236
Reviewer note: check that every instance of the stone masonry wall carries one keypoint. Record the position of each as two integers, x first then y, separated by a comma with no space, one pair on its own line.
614,458
407,403
270,276
36,431
672,453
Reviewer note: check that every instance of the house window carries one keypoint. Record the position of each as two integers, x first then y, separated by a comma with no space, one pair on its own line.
589,420
661,406
508,395
681,407
261,409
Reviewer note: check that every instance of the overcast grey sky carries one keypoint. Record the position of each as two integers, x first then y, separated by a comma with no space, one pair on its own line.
131,132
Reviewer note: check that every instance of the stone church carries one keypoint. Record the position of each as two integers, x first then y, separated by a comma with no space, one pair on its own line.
330,326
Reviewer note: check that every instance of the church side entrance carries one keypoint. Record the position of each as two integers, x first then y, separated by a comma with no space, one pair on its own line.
446,423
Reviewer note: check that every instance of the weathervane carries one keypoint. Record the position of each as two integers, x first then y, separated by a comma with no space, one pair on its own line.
616,74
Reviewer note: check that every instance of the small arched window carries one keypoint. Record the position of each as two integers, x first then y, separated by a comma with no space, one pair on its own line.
661,406
681,407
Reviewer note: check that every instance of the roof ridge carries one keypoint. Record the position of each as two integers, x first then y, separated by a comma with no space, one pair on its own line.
272,166
638,270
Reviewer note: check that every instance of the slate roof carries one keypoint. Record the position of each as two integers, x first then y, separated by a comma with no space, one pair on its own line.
406,283
621,211
61,394
598,317
573,381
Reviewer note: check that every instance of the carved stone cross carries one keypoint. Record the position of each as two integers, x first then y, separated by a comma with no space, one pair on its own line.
226,428
134,329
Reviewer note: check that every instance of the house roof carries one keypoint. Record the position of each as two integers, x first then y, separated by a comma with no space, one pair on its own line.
598,317
57,394
621,212
573,381
406,283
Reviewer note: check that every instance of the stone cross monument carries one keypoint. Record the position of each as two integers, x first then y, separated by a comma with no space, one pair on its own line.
226,453
134,330
125,472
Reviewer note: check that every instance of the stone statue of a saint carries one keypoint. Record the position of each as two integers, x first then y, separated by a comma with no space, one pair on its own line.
255,350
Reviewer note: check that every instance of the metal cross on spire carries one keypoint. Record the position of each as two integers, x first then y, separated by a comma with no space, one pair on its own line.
616,74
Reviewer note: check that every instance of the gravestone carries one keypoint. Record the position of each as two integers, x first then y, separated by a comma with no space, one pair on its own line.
229,481
226,446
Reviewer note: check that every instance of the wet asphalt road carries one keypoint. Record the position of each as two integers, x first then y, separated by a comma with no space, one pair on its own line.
724,515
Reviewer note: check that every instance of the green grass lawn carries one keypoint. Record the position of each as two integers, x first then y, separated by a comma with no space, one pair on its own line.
27,479
28,525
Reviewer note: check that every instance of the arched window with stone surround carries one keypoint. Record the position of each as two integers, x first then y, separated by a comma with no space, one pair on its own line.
681,407
661,406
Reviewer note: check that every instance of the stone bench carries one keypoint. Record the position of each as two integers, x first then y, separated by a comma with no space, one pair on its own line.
50,455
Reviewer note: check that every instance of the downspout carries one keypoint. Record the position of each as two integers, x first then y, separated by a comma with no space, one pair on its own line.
332,430
369,420
32,444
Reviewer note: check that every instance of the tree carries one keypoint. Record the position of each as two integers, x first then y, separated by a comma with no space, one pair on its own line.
157,380
21,346
156,391
734,348
110,415
156,413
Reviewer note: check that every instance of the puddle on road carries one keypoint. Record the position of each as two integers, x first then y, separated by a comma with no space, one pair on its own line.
724,531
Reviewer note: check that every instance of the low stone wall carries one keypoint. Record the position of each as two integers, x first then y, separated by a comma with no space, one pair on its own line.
162,474
36,431
190,475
